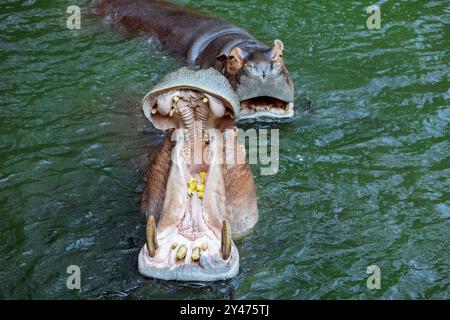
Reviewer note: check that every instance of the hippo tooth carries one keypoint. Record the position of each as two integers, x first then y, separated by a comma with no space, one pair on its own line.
171,112
176,98
196,254
181,253
152,244
154,110
205,100
205,247
226,240
174,245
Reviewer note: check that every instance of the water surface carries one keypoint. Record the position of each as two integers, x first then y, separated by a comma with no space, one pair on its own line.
364,173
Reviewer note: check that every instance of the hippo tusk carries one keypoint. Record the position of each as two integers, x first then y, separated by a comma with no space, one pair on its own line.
226,240
152,243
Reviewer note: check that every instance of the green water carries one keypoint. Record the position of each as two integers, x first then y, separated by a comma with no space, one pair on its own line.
364,173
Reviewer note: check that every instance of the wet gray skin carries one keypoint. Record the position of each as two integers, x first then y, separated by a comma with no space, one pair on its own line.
190,239
264,87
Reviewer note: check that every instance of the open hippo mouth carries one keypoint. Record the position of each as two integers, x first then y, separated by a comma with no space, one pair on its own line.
192,238
260,107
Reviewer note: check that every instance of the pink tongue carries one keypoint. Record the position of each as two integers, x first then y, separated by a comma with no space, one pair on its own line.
192,226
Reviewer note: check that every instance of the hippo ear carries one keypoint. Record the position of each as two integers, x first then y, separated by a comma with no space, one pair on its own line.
277,50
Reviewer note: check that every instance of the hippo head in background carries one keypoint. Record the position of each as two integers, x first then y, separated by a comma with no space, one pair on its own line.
260,79
190,237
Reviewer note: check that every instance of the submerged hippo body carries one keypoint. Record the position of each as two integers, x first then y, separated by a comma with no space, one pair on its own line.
200,191
256,72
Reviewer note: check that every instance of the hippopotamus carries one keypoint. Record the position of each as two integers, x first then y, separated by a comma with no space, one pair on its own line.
199,195
257,72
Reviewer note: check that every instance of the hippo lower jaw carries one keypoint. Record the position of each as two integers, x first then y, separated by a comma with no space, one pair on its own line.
193,241
180,254
208,269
